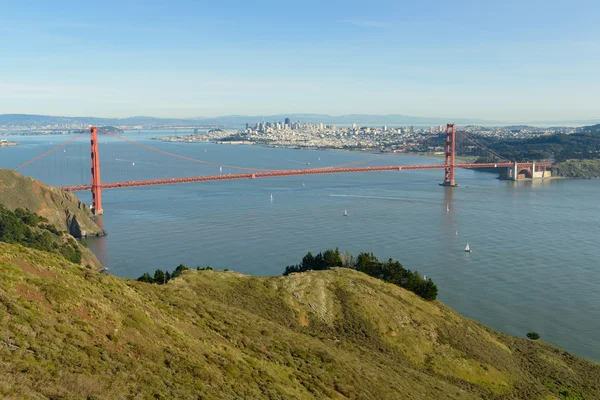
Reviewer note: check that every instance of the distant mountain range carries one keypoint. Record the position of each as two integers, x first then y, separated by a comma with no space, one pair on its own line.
234,121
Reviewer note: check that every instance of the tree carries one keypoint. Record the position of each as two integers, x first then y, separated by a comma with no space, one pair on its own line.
179,270
332,259
159,277
145,278
429,290
533,335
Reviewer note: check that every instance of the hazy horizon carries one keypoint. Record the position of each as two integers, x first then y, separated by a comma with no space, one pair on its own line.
343,119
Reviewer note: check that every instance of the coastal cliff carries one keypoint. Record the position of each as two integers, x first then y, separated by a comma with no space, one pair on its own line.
62,209
70,333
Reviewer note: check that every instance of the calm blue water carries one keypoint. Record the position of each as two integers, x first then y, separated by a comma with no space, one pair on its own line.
535,261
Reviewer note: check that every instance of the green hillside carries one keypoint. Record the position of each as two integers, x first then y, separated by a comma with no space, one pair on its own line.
67,332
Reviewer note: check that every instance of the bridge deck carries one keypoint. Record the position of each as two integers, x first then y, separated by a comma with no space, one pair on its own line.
293,172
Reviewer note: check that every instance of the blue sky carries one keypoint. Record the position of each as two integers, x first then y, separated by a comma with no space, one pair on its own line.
511,60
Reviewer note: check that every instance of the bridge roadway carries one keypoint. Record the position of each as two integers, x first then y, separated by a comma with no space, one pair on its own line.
294,172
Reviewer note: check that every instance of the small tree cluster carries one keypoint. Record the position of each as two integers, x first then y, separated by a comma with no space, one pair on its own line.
533,335
28,217
161,277
389,271
322,261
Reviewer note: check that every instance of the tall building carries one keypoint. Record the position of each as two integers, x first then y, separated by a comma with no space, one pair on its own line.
288,121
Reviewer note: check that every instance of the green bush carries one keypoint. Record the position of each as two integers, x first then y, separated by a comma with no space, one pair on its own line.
533,335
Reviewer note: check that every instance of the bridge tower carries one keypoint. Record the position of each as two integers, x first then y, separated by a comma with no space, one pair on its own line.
96,188
450,153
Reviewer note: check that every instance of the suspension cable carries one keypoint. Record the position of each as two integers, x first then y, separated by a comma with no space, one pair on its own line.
49,151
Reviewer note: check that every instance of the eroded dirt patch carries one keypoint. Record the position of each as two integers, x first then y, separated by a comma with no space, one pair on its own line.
33,295
31,269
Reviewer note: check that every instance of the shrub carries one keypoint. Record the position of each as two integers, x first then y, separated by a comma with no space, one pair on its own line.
533,335
16,227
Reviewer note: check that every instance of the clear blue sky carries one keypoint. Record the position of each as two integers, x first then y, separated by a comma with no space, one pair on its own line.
504,60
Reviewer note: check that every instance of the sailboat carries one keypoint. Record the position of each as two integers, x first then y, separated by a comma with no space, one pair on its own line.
467,249
345,213
447,208
456,233
271,196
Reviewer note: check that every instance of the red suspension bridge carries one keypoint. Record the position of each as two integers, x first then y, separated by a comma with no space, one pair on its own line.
454,140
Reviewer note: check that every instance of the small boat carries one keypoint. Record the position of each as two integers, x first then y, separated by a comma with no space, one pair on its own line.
271,196
456,233
345,213
447,208
467,249
133,164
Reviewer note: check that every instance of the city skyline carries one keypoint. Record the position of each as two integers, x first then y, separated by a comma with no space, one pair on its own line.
504,62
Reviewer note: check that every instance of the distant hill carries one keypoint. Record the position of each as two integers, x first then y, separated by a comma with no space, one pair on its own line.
71,333
237,121
230,120
592,129
42,120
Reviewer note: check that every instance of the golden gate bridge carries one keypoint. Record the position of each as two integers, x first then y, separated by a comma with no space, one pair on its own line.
453,141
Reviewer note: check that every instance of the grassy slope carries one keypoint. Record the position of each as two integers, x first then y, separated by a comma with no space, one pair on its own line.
208,334
50,202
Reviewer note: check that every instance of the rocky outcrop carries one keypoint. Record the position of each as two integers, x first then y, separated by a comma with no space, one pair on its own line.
62,209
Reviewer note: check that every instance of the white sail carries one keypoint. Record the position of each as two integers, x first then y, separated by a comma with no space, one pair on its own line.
467,249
